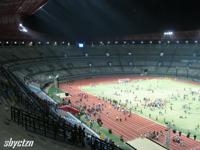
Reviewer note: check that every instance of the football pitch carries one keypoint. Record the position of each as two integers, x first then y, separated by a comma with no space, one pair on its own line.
162,100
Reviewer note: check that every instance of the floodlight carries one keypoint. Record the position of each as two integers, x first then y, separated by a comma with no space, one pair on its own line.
107,54
80,45
168,33
57,76
86,54
109,64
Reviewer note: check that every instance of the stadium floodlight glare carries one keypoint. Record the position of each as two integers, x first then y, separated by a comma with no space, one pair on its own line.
168,33
86,54
109,64
101,42
22,28
107,54
80,45
57,76
90,65
129,53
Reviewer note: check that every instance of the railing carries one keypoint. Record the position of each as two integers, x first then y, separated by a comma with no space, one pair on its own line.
59,130
43,121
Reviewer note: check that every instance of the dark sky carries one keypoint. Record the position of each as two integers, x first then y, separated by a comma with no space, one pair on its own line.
88,19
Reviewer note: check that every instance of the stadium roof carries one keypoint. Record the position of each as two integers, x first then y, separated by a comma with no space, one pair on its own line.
96,19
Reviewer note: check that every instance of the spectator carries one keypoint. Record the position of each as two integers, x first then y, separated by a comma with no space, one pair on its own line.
195,137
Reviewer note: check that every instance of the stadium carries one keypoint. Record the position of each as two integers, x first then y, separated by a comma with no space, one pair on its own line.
104,92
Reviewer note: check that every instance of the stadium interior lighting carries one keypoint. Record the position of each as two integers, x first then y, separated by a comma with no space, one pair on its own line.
196,41
141,42
168,33
161,54
47,42
68,44
107,54
116,42
90,65
177,42
80,45
109,64
133,42
186,41
150,42
124,42
159,42
86,54
129,53
55,44
108,42
57,76
22,28
30,43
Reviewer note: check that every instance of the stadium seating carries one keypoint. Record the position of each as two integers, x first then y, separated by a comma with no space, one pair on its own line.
41,61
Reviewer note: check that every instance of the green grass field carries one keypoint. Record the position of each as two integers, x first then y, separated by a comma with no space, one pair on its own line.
174,101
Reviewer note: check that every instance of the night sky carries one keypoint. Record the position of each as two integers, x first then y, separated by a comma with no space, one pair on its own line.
88,19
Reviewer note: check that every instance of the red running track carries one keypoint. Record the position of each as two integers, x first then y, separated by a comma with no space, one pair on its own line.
131,128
